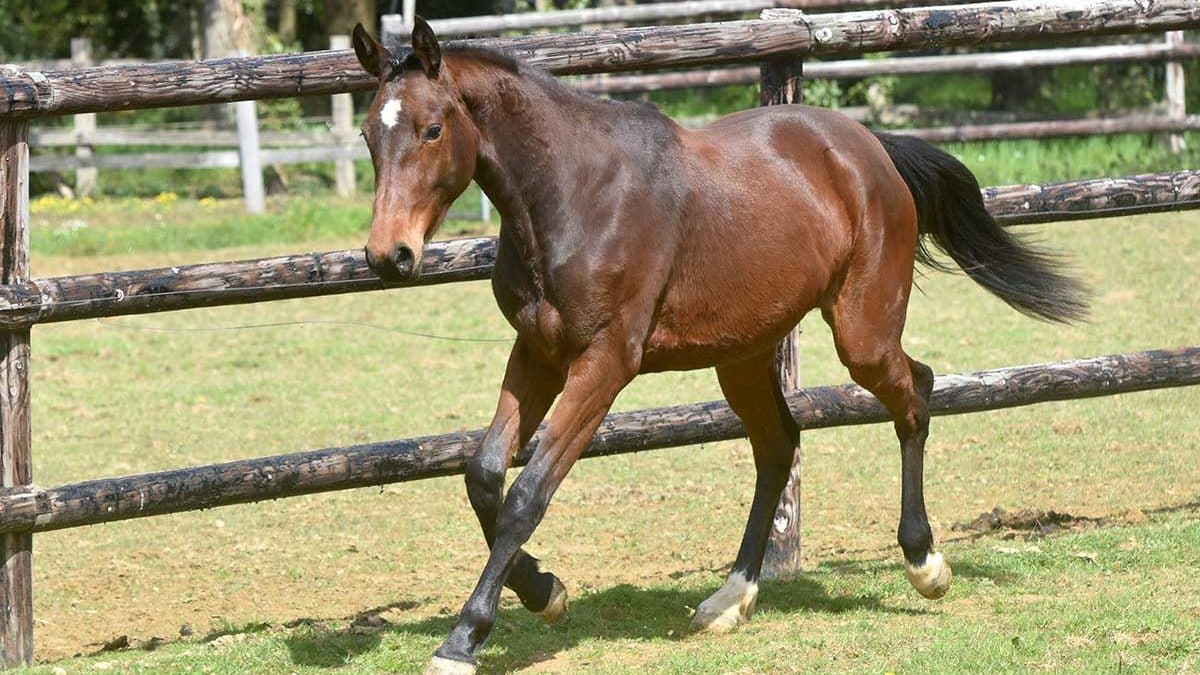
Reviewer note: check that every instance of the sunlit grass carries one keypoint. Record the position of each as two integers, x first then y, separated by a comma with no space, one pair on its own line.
638,539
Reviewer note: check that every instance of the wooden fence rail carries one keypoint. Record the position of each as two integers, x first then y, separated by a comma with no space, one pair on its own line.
908,65
320,73
1055,128
107,294
31,508
393,25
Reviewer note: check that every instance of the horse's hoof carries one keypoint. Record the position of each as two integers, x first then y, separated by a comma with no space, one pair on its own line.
444,666
556,607
932,579
731,605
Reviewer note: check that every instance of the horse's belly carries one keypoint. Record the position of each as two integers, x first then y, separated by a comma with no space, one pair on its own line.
713,331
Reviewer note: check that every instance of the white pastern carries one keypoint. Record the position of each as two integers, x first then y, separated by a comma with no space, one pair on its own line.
932,579
729,606
556,608
390,113
440,666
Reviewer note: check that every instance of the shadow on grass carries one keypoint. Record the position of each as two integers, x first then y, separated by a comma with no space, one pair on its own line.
324,648
316,645
622,612
966,569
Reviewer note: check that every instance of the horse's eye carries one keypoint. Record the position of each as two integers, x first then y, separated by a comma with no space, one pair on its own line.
432,132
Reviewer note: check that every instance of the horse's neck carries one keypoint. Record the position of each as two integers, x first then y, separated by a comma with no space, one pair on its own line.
522,160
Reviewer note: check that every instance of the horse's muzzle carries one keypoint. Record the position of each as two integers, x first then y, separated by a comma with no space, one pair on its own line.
401,265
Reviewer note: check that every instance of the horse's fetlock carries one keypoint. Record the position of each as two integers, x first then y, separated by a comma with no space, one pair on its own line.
915,538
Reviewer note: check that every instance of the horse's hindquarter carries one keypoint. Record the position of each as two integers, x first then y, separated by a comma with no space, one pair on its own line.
771,220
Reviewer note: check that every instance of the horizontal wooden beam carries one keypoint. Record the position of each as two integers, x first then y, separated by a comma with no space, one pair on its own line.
202,487
908,65
659,11
227,159
91,296
230,283
1054,128
847,33
207,159
393,30
1094,198
58,137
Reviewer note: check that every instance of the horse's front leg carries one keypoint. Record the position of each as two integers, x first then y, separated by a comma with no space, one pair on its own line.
593,381
529,388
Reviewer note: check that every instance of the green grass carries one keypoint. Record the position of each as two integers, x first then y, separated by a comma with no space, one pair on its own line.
78,228
1062,159
637,539
1098,601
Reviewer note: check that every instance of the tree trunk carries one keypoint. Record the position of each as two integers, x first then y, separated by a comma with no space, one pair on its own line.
227,29
227,32
287,21
341,15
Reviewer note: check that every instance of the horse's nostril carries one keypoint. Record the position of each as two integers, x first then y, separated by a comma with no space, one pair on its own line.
402,258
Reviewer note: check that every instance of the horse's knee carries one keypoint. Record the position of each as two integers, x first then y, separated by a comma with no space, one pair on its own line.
922,378
485,479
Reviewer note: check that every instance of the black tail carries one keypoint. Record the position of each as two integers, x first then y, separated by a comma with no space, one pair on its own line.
950,211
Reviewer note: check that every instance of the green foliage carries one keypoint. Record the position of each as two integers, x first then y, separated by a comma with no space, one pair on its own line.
1060,159
88,227
702,103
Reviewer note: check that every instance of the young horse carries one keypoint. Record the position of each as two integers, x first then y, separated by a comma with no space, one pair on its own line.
630,245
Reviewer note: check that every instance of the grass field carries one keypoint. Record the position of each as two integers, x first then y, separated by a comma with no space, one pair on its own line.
369,580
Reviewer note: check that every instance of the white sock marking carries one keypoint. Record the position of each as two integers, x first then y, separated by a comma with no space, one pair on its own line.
732,604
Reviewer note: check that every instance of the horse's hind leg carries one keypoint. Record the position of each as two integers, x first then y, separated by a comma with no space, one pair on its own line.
528,390
867,317
752,389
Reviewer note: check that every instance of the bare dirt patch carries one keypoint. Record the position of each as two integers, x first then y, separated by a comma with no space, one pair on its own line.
1028,520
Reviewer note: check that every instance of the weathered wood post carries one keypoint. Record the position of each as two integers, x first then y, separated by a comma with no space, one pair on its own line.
343,129
782,82
16,550
1176,101
85,124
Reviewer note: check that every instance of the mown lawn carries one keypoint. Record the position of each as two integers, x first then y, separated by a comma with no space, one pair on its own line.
279,587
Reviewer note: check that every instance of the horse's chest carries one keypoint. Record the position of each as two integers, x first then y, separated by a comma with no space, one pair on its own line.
523,303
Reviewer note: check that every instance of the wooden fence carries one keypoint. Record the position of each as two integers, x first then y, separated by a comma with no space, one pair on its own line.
26,508
1172,52
342,147
340,144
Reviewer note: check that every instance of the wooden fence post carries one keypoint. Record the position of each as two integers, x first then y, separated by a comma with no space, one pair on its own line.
85,124
16,550
343,129
1176,101
782,82
252,179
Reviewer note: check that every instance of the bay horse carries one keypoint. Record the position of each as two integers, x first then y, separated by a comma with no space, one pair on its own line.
630,245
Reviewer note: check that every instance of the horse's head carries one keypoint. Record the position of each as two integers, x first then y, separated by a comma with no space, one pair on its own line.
423,145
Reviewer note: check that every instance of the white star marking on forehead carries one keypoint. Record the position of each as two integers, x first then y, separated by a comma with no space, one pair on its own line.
390,112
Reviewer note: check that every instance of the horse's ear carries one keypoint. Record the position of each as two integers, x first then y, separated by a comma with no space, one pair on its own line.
426,48
371,55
